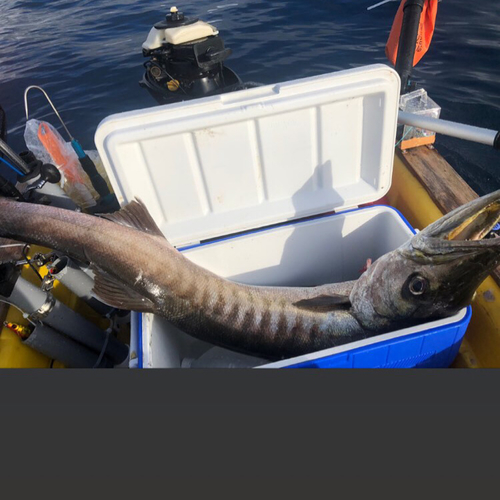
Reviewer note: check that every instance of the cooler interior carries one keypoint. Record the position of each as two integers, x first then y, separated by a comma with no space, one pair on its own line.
325,249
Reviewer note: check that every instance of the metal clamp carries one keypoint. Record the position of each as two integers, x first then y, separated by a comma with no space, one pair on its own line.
44,311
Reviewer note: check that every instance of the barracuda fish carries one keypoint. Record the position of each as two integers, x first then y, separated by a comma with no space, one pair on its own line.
433,275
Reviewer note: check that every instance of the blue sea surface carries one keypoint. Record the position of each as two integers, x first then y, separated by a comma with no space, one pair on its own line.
87,55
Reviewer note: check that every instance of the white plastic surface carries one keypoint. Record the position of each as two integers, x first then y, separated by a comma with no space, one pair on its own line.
182,34
227,163
323,250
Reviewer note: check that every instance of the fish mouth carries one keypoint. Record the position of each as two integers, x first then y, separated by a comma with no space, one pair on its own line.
465,228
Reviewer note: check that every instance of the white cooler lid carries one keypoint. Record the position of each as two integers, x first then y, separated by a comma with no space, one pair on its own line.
232,162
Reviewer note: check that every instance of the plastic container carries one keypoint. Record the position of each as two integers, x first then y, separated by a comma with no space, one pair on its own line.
48,146
419,103
245,185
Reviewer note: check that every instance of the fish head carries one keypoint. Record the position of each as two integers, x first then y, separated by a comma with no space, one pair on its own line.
435,273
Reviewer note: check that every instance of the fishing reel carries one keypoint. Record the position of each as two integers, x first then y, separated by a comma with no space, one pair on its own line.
40,173
186,59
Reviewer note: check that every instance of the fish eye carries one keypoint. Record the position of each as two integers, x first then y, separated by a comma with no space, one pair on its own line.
418,285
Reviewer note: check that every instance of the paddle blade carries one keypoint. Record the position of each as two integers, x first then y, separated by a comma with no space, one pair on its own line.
425,31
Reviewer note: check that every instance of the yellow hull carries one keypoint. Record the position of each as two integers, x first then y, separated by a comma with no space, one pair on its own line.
13,353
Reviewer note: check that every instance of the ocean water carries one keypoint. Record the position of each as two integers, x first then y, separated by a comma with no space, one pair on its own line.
87,56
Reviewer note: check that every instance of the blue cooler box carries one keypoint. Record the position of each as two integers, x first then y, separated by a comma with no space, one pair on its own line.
262,186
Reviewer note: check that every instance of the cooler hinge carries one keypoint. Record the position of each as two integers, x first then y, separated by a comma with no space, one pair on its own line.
346,209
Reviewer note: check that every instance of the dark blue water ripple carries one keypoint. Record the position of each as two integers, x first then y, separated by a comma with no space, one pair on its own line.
87,55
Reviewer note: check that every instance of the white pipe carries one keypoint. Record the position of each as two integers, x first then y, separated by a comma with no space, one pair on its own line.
459,130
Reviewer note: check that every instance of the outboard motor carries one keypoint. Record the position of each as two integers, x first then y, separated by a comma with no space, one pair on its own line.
186,60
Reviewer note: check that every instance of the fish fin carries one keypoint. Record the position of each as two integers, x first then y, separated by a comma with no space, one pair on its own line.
115,294
135,215
323,302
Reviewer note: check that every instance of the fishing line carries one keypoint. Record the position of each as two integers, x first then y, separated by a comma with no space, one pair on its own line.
13,245
402,138
103,350
379,4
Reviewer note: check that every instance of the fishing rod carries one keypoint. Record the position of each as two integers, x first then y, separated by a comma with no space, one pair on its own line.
414,22
452,129
410,37
412,11
43,177
13,159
